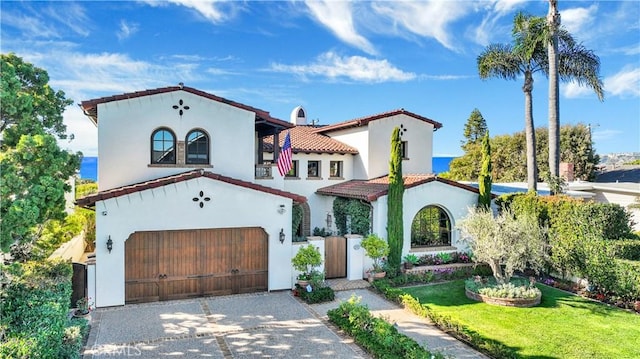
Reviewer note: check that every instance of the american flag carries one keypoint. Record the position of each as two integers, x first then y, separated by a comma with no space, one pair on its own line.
284,160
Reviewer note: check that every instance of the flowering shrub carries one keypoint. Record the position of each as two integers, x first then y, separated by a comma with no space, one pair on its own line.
444,258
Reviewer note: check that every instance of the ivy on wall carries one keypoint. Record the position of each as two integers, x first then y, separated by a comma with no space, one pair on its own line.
296,214
359,213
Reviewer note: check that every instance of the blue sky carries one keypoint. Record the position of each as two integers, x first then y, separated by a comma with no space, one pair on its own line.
340,60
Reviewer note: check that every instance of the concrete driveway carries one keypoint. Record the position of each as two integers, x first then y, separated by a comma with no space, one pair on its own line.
262,325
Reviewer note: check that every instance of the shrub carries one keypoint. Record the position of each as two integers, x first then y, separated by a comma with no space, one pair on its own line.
356,210
627,249
375,335
307,258
317,295
34,311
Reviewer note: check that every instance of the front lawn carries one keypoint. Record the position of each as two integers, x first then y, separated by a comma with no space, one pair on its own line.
562,326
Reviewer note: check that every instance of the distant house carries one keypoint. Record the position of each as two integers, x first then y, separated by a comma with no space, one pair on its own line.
190,202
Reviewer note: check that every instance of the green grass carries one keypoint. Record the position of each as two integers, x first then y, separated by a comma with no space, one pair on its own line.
562,326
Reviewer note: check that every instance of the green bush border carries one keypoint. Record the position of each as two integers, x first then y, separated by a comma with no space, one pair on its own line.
378,337
34,312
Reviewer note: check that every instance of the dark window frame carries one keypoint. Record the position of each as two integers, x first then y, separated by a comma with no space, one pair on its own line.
165,158
431,229
199,152
318,169
340,173
294,171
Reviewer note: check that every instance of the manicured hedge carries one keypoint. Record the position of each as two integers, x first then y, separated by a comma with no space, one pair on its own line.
318,295
628,249
34,312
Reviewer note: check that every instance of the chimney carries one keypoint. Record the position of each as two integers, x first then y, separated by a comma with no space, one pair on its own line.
298,116
566,171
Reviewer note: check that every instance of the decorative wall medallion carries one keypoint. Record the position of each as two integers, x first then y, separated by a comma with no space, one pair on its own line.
201,199
180,107
402,130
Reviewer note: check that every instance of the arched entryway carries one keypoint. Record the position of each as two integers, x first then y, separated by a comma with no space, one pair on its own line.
431,227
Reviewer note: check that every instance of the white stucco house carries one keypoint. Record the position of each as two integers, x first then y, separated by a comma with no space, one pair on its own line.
190,202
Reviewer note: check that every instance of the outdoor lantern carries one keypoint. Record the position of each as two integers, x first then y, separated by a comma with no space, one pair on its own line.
109,244
281,235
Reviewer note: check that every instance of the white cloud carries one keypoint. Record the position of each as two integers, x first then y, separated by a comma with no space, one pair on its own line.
85,133
71,15
29,26
126,30
575,90
337,16
624,83
356,68
603,135
426,18
485,33
578,20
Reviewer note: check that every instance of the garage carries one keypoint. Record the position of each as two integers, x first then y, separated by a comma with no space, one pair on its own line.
167,265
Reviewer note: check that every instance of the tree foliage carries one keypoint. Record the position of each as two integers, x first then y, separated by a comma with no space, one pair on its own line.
508,156
395,230
33,168
475,129
506,243
484,180
29,104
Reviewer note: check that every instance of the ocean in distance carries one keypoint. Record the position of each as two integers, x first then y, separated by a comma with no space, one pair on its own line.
89,166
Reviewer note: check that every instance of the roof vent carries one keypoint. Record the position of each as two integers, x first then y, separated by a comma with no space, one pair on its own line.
299,116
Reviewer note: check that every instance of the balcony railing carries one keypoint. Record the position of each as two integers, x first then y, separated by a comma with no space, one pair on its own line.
263,171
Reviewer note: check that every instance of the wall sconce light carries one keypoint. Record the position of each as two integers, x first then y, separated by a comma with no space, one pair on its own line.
281,209
109,244
281,235
329,220
104,213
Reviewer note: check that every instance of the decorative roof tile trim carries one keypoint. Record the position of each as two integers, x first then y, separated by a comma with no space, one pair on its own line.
371,190
305,140
90,200
365,120
90,107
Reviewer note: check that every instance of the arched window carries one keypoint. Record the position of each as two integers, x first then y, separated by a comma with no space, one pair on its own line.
163,146
197,147
431,227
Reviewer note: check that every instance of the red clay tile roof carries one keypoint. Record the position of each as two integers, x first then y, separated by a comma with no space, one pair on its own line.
305,139
371,190
90,200
365,120
90,107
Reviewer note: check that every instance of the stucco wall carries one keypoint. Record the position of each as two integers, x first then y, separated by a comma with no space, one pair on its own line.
172,207
419,137
455,201
358,138
125,128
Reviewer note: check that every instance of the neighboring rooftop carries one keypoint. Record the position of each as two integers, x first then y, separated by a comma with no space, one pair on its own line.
625,173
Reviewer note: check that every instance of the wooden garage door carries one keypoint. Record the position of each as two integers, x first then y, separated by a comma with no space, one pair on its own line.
164,265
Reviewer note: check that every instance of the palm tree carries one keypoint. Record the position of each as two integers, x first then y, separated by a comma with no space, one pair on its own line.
553,23
571,62
525,57
528,55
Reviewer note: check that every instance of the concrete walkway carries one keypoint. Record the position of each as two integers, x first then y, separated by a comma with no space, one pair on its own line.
274,325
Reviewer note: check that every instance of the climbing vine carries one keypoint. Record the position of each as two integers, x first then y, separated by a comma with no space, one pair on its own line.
359,213
296,214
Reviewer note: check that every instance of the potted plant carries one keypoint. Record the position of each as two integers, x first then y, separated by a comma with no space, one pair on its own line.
410,260
83,307
307,258
376,248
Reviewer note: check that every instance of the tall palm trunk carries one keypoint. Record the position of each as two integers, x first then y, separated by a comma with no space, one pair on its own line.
553,21
530,133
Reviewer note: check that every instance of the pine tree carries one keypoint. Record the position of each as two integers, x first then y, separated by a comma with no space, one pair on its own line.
474,129
395,231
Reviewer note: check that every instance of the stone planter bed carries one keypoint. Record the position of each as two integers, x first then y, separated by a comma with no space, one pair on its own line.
421,269
507,302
